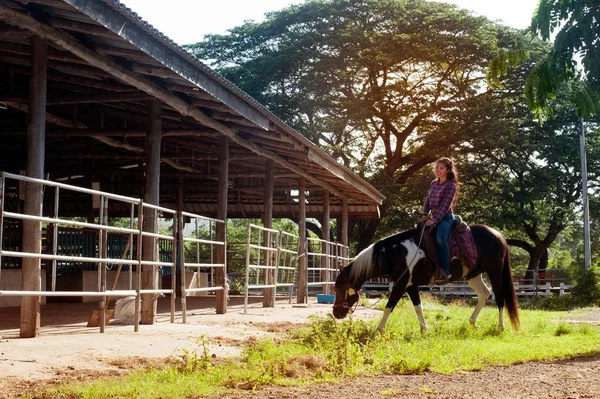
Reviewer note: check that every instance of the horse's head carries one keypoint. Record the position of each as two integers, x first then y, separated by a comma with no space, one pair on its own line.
345,294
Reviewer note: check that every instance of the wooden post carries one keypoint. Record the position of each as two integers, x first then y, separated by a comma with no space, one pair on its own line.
302,265
151,196
344,237
325,250
344,229
181,251
269,298
34,197
221,253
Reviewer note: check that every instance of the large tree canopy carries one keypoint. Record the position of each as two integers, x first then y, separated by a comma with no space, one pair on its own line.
384,85
575,53
529,184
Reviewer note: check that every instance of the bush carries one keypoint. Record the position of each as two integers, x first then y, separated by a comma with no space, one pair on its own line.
586,291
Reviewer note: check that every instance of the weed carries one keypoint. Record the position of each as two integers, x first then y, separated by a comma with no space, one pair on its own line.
563,329
428,390
191,362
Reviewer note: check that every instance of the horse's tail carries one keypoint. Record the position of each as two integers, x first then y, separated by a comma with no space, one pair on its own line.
508,291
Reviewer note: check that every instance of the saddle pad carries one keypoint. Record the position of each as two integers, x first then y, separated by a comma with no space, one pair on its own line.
462,245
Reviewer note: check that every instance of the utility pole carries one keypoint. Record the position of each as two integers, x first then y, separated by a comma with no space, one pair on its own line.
586,210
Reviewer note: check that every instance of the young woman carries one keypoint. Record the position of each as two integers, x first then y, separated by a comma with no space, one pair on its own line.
440,201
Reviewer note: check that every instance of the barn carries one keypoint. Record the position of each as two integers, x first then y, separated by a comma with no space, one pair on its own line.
93,97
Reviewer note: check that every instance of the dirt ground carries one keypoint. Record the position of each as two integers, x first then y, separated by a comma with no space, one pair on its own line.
67,350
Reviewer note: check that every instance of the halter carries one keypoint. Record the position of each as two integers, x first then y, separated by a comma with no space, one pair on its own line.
344,304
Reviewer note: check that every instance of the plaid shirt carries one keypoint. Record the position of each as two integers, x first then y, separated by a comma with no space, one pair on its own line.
439,199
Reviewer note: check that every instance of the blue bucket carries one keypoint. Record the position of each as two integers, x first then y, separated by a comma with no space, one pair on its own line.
325,298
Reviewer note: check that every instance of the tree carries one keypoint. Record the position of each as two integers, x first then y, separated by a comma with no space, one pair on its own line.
578,37
382,85
534,189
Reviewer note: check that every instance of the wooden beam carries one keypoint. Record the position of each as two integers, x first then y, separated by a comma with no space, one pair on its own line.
86,98
302,248
34,197
184,64
53,54
99,98
345,219
222,195
108,141
25,21
151,196
343,173
69,79
14,34
326,228
81,27
269,298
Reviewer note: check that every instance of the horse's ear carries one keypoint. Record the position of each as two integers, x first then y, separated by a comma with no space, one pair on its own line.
341,267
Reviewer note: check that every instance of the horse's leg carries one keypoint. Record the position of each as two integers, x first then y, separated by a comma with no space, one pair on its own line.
413,293
483,293
395,296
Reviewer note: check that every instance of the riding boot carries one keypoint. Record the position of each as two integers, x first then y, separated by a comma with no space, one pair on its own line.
444,278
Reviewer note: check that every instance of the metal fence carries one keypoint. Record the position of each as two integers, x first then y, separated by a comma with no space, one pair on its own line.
324,259
262,259
199,255
97,244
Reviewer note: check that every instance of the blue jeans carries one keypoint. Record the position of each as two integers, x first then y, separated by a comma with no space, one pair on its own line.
442,233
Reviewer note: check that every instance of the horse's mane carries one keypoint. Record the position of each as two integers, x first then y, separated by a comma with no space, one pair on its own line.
366,264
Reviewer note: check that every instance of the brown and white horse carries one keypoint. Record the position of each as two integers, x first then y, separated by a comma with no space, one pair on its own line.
401,259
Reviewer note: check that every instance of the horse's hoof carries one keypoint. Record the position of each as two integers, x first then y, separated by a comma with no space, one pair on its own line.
475,326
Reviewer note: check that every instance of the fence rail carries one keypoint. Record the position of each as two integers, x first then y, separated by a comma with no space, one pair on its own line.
524,288
263,254
99,247
203,246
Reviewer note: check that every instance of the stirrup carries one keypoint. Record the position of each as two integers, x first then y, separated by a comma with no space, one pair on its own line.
443,280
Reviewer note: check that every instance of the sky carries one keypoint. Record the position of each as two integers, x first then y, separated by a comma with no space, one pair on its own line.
187,21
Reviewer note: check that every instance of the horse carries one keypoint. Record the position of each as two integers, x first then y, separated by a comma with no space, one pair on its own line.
406,264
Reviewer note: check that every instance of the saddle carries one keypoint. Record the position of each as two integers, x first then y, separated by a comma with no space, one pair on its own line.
463,253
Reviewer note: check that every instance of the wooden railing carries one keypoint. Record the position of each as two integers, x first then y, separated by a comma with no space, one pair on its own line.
523,288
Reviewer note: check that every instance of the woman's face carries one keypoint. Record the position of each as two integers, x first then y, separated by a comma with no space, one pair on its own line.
441,171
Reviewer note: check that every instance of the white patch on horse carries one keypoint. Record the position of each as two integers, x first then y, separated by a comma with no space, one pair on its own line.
414,255
362,264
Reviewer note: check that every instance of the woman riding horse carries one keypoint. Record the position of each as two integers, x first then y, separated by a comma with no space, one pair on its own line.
401,258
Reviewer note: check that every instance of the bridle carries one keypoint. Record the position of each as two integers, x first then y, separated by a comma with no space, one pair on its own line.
344,304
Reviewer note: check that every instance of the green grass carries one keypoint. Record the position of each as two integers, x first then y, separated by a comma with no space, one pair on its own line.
328,350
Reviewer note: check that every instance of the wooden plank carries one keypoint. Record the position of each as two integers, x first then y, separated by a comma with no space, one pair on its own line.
34,197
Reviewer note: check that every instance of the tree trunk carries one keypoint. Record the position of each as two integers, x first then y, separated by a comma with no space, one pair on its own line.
366,231
538,257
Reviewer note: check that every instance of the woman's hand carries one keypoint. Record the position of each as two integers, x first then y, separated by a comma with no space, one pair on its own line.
429,222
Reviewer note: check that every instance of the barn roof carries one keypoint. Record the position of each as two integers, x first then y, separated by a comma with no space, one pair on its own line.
104,64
